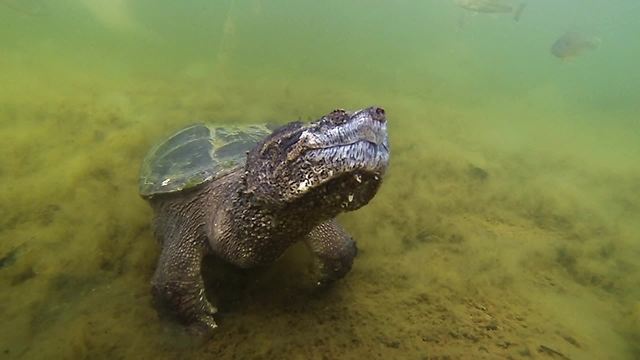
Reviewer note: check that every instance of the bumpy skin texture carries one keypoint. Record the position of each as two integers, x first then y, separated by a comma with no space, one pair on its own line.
293,185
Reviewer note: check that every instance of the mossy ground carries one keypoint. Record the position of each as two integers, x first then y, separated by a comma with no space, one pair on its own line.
480,244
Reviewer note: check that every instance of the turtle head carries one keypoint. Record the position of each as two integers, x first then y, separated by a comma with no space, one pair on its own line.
335,163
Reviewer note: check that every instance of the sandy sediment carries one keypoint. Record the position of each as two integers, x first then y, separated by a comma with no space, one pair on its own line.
470,250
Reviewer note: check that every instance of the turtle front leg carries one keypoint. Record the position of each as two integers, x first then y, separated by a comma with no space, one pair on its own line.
334,250
177,282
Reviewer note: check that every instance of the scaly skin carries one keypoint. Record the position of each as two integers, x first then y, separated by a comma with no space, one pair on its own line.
252,215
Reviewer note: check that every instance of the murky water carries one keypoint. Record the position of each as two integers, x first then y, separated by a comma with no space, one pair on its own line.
507,225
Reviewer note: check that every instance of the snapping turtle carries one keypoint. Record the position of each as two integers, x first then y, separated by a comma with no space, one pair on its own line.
245,194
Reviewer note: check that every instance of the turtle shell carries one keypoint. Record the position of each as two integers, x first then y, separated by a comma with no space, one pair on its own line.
195,155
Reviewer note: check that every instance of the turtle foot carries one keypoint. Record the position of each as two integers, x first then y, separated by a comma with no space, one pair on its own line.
187,302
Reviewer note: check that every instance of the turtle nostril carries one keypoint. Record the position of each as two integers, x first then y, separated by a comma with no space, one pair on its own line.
378,114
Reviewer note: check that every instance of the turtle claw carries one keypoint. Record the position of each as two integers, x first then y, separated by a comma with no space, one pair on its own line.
202,314
204,322
209,322
203,326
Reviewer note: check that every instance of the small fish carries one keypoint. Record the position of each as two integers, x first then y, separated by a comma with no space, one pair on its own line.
572,44
493,7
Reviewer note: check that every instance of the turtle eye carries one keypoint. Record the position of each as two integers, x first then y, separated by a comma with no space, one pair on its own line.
282,137
290,140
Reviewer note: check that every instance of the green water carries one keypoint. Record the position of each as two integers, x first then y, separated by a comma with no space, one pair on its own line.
507,226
